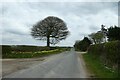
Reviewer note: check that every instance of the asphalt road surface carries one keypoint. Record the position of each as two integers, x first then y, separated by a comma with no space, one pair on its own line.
64,65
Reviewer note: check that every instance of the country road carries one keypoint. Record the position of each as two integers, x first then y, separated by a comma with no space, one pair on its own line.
64,65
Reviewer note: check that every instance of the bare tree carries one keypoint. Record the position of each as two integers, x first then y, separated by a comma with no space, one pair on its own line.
52,29
104,31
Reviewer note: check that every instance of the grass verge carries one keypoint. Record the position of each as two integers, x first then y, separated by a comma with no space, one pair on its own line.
95,67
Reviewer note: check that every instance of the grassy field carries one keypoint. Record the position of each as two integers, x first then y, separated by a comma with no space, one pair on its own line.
24,51
31,54
97,68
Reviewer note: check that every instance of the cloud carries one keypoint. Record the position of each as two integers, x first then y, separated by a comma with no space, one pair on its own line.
94,28
59,1
82,18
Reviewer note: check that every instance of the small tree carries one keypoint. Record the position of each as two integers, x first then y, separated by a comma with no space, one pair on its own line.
97,38
83,44
92,37
52,29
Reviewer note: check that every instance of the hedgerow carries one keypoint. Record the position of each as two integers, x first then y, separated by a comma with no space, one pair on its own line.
96,49
112,51
108,53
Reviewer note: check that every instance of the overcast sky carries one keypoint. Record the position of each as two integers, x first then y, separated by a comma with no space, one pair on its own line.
82,18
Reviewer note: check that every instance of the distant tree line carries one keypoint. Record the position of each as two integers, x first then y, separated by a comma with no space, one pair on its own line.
104,35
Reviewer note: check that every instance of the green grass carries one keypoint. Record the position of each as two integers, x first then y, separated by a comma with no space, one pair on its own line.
97,68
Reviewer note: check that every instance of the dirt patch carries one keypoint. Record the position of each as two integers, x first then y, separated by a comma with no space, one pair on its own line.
12,65
81,52
84,64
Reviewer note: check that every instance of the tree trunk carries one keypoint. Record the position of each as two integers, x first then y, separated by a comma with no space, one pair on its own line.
48,41
94,41
105,40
